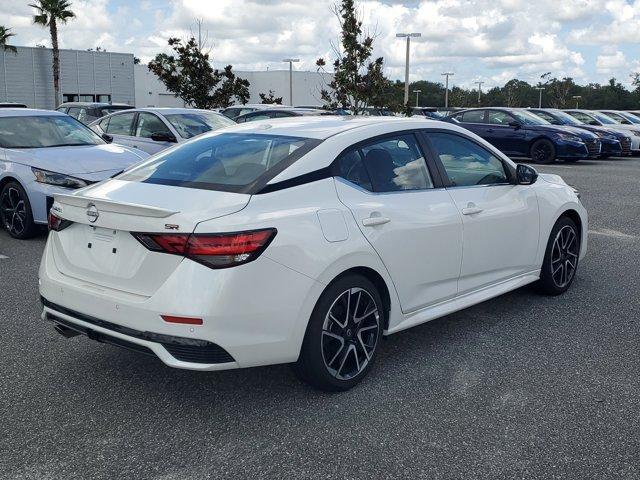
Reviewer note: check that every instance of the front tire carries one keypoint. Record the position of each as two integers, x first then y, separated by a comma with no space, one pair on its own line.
343,335
543,151
15,212
561,258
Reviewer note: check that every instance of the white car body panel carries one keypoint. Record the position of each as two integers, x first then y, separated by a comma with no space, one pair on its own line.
432,259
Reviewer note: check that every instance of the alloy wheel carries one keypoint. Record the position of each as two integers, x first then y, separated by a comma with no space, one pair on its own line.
564,256
542,152
14,211
350,333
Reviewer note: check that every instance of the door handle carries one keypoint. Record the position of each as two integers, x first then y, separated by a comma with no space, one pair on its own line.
373,221
471,209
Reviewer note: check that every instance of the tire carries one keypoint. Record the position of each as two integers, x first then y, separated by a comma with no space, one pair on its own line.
15,212
560,258
543,151
339,349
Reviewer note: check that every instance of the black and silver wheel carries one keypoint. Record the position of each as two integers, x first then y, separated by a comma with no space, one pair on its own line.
343,334
15,211
543,151
561,258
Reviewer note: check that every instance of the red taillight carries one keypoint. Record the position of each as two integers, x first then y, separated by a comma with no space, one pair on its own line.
56,223
220,250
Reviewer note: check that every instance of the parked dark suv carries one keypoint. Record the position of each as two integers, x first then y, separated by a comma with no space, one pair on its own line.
613,143
88,112
519,133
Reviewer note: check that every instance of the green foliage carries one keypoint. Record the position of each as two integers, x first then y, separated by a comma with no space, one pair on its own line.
190,76
51,11
270,98
358,81
5,34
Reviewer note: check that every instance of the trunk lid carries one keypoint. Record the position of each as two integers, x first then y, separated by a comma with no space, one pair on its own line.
98,247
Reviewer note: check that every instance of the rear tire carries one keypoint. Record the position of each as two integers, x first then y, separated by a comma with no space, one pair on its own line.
560,259
543,151
343,335
15,212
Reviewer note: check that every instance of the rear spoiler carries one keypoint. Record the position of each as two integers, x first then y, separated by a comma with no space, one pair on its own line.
114,207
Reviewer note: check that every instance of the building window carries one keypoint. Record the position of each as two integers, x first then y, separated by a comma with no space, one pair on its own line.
69,97
103,98
87,98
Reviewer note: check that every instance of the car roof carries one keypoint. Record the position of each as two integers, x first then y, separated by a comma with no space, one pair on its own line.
93,104
320,126
165,110
29,112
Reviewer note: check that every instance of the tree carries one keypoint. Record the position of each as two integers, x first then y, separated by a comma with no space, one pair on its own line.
357,82
49,13
190,76
270,98
5,34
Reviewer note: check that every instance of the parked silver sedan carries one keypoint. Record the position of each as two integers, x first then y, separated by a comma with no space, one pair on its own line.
154,129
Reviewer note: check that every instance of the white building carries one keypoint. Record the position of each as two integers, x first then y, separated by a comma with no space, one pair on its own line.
150,92
27,77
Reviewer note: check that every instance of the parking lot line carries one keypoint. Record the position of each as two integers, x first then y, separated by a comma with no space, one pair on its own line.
3,257
607,232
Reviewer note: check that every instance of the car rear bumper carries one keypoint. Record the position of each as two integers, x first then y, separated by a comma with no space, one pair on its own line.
254,314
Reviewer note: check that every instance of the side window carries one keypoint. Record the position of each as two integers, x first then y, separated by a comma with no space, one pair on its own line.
82,115
466,162
149,124
582,117
120,124
547,117
74,112
396,164
499,118
351,168
104,124
473,116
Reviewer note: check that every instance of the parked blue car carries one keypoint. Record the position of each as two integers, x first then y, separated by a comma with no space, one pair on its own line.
519,133
614,144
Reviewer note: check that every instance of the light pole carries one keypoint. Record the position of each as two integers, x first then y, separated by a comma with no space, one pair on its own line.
290,61
406,66
540,89
479,90
577,99
446,87
417,92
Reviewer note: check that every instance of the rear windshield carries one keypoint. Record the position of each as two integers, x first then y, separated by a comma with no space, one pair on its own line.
191,124
114,108
231,162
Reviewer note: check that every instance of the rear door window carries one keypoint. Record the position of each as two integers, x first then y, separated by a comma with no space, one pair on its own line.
121,124
149,124
500,118
473,116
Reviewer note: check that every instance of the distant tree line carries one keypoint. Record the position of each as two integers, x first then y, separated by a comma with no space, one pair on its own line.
557,93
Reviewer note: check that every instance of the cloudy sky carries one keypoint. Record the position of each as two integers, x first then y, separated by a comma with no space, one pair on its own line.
488,40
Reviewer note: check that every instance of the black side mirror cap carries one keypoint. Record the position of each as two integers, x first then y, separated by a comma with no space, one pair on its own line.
163,137
107,138
526,175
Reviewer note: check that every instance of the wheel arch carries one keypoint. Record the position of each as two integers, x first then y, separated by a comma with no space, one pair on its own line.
575,217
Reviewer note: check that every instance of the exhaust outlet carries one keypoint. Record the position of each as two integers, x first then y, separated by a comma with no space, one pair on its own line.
66,332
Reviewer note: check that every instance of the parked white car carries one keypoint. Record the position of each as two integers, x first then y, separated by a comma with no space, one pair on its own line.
591,117
304,240
43,153
154,129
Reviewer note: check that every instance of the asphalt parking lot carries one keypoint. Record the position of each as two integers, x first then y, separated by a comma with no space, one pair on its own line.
522,386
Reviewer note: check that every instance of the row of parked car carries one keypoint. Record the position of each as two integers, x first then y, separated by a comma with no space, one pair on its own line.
43,152
545,135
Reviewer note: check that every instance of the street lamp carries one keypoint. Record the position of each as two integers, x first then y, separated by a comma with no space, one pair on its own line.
577,99
406,67
417,92
540,89
446,87
479,90
290,61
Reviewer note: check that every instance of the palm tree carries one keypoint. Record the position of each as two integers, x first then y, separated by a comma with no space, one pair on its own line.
4,37
49,12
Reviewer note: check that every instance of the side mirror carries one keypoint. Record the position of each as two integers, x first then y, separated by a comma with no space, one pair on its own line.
526,175
163,137
107,138
515,125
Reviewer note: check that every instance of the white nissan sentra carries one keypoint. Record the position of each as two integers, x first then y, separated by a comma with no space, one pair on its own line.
303,240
